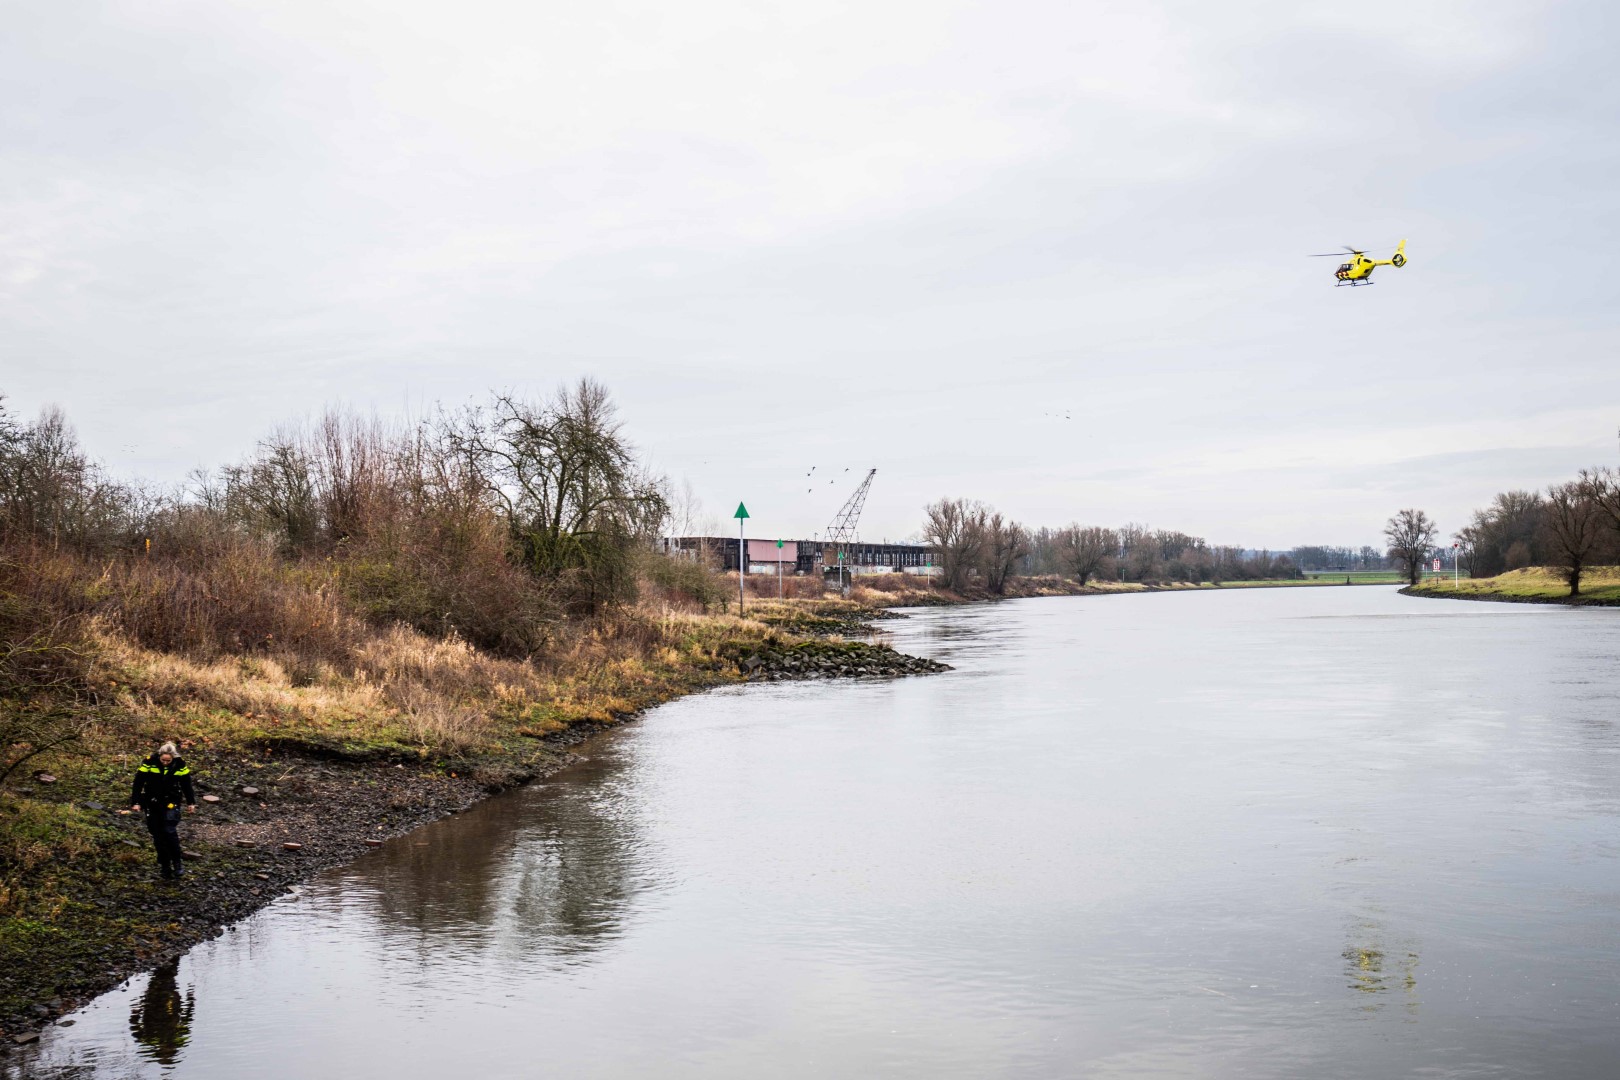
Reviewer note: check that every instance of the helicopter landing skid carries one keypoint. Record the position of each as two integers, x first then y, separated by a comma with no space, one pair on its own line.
1352,284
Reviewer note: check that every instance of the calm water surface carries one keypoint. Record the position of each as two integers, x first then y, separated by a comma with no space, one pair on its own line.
1281,833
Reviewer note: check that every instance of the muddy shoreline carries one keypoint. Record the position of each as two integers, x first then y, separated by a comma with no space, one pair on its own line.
236,861
268,820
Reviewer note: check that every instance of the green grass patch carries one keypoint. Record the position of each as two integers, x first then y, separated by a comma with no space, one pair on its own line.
1600,584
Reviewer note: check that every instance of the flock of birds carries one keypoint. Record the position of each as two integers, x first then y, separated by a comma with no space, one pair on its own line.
812,473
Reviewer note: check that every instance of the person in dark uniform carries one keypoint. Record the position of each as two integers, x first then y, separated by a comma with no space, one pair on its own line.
162,784
161,1018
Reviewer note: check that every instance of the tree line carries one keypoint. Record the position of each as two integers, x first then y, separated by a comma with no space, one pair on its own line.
979,547
494,522
1571,527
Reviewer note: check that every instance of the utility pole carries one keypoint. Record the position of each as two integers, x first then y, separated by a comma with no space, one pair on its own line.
742,554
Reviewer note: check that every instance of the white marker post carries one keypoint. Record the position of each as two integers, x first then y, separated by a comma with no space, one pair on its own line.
742,553
779,546
1456,565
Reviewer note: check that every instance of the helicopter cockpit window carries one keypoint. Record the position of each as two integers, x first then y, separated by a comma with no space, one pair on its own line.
1344,266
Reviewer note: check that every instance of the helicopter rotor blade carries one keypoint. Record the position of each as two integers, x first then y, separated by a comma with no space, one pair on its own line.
1347,248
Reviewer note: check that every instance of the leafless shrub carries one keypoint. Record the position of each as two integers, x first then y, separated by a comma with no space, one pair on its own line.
1083,551
955,529
45,700
1006,543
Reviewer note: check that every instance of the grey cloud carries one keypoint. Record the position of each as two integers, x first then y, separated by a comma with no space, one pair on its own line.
215,219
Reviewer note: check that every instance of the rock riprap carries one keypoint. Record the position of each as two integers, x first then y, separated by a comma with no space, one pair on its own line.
829,660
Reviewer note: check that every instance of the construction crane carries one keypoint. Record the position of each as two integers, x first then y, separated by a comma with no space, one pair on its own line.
841,533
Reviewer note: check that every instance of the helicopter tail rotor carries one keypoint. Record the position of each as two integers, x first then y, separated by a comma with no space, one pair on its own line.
1399,258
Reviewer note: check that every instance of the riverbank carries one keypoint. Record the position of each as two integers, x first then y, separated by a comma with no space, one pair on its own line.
295,774
1600,587
301,767
905,590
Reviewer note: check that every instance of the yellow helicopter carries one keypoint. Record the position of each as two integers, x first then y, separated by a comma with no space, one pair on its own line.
1358,271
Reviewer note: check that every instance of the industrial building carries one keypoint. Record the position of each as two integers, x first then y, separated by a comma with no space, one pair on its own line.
803,556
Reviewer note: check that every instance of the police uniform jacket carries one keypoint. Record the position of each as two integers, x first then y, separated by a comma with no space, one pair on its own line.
159,786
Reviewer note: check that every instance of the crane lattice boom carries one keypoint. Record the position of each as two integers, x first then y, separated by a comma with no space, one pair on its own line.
842,531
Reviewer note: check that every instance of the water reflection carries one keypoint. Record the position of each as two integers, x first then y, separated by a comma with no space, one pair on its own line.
160,1020
1289,852
1376,969
547,870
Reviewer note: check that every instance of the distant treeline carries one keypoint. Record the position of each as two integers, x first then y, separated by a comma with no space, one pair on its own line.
1522,528
978,546
1572,526
1317,557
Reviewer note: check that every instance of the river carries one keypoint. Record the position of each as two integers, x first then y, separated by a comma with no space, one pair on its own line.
1248,834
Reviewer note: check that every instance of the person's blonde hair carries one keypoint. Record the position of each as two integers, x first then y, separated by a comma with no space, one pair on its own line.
170,749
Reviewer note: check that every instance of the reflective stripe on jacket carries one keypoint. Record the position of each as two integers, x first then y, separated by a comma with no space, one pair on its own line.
160,785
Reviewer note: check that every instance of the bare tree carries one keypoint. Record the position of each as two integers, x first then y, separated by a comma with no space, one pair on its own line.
1467,540
1410,534
685,510
1574,524
1084,551
1508,534
955,528
274,492
568,484
1603,488
50,490
1006,543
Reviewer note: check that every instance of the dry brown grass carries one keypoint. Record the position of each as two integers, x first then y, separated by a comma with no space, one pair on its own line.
398,689
236,647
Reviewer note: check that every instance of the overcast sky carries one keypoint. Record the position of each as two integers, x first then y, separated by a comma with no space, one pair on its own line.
1049,255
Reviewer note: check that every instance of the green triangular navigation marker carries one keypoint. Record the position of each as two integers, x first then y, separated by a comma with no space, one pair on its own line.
779,545
742,511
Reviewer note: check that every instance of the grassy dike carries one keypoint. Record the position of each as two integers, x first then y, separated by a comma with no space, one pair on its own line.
333,762
1600,587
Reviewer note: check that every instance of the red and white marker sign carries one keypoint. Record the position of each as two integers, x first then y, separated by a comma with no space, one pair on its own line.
1437,564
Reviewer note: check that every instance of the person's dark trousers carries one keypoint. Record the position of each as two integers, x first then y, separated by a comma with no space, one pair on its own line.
164,825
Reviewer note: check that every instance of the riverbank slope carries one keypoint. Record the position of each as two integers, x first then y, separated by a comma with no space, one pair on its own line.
299,767
1600,587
